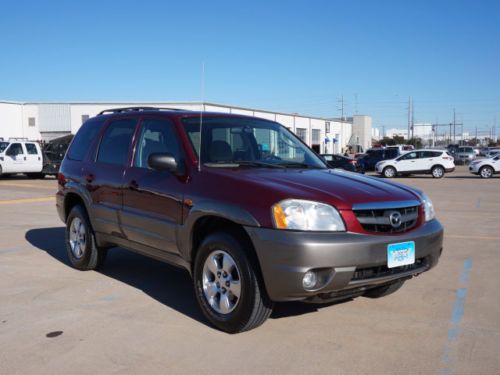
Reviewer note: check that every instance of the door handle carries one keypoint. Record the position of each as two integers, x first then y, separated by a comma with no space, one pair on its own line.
25,158
89,178
133,185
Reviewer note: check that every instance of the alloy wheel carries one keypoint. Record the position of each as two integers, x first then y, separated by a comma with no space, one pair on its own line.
221,282
77,237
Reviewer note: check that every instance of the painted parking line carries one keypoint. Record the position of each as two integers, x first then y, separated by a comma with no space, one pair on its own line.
457,314
461,237
27,200
33,186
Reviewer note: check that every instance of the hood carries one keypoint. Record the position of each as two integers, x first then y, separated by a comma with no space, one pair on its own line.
340,189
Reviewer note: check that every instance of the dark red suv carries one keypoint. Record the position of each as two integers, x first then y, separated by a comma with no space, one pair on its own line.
242,204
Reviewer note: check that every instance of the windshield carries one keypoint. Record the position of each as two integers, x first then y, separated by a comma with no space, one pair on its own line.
234,142
3,146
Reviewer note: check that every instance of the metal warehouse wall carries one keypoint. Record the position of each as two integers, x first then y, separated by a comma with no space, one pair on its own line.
54,118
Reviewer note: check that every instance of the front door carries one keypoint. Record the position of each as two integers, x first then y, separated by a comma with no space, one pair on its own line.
152,200
15,159
408,162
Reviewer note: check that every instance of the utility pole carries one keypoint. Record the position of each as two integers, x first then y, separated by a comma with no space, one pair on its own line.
412,120
454,126
409,116
341,102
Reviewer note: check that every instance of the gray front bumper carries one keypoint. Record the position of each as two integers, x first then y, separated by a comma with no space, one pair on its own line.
285,256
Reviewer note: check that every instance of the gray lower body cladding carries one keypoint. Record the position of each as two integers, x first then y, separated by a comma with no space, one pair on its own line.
348,263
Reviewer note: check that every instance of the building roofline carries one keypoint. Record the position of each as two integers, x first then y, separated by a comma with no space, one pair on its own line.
167,103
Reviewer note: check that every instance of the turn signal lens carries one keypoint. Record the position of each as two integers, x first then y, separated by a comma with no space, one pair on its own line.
279,217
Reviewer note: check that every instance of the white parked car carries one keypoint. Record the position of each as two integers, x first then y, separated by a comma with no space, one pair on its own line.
434,162
486,167
20,156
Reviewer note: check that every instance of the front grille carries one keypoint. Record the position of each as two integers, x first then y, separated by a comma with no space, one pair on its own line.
381,271
379,220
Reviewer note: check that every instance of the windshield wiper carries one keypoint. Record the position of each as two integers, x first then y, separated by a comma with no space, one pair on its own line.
250,163
299,165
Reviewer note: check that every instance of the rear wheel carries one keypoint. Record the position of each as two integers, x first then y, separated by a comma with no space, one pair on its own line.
82,250
227,285
389,172
486,172
385,290
437,171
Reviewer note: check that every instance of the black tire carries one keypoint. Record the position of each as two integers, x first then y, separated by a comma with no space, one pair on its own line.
384,290
486,172
38,176
437,171
389,172
1,172
253,306
92,257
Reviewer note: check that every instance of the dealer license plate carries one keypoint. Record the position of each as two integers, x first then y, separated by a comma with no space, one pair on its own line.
400,254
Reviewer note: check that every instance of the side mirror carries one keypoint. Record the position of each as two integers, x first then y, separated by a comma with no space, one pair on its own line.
163,161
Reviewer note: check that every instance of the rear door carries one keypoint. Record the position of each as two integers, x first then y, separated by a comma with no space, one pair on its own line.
429,158
152,200
104,175
34,161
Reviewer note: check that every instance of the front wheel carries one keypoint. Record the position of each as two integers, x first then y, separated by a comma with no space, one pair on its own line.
437,172
486,172
227,286
389,172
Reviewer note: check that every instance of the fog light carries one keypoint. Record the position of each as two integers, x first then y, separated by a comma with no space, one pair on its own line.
309,280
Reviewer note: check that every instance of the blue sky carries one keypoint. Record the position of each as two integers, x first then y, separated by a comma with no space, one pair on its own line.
293,56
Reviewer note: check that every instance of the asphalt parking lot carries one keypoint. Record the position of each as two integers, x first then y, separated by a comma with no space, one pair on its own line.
138,315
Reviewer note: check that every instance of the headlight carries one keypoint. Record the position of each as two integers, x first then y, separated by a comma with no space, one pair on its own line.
297,214
428,208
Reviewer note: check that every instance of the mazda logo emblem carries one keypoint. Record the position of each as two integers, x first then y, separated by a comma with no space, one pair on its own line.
395,219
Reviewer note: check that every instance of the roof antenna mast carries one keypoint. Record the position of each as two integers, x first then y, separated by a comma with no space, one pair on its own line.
201,112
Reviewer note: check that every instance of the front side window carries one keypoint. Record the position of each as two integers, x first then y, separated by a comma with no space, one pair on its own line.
250,142
15,149
115,142
157,136
31,149
409,156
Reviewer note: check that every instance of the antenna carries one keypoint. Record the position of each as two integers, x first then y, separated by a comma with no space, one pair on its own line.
201,111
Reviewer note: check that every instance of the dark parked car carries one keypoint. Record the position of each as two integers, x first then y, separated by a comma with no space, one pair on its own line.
53,154
342,162
253,214
373,156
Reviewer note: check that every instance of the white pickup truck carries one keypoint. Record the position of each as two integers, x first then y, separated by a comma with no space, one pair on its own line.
21,156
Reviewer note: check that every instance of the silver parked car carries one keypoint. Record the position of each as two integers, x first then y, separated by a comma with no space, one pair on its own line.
464,154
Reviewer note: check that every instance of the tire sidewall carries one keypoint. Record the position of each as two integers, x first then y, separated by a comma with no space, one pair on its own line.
437,168
84,261
485,168
387,169
234,320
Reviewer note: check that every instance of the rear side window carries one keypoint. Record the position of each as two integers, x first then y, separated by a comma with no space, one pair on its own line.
431,154
391,153
115,142
83,140
31,149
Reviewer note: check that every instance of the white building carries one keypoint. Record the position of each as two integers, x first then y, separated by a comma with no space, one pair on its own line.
45,121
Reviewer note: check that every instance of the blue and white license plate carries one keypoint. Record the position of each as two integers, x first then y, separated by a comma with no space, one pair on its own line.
400,254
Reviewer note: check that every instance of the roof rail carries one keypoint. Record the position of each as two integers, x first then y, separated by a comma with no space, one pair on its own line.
18,139
138,109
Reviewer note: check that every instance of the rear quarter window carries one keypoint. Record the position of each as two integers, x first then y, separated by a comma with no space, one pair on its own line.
31,149
83,140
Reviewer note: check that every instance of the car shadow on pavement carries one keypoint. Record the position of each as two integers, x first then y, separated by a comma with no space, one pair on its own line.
167,284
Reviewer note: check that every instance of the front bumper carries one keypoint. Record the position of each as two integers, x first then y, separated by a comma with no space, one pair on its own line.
347,260
474,168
